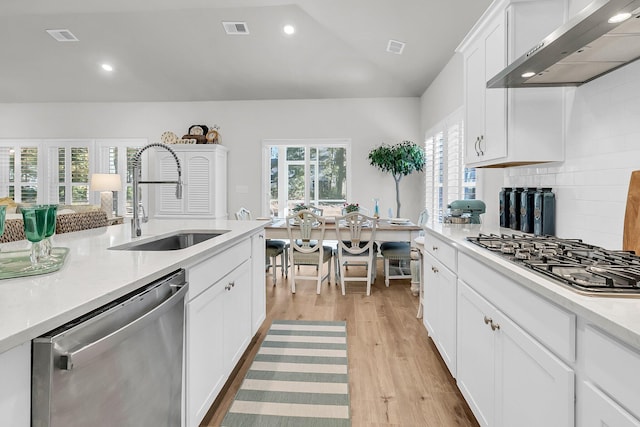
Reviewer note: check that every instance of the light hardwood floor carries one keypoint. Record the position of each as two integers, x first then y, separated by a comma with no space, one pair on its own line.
396,377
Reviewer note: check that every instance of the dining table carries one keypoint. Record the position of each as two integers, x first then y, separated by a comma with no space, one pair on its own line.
387,230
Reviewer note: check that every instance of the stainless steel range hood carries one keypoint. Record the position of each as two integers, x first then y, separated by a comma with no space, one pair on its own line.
581,50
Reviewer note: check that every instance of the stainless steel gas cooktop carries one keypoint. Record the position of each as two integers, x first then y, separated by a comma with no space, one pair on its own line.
585,268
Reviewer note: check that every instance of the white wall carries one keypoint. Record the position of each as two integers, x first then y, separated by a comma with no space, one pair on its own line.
602,148
243,126
443,97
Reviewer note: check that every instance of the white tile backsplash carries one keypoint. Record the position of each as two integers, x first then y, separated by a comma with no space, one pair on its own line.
602,148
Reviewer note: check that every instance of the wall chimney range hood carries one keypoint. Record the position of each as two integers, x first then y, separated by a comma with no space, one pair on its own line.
589,45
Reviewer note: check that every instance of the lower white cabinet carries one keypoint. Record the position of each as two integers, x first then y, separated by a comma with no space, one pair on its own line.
506,376
219,324
440,299
15,386
259,294
596,409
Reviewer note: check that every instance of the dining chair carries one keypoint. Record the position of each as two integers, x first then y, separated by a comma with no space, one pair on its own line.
301,227
273,249
352,250
401,252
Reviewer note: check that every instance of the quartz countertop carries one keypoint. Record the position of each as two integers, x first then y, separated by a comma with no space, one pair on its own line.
619,316
93,275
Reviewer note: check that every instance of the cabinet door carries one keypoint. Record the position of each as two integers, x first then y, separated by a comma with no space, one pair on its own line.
430,297
15,387
528,378
474,101
258,291
475,354
165,170
237,314
447,297
206,368
596,409
493,144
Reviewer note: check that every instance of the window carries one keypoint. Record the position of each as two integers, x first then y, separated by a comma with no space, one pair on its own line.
59,171
19,164
447,178
316,173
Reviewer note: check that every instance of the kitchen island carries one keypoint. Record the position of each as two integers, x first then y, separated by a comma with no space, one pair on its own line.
94,275
517,341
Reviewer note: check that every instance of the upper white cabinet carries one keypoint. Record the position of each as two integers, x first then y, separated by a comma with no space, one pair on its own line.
510,127
204,176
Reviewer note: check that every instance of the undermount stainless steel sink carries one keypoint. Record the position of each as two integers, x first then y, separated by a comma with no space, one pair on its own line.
171,242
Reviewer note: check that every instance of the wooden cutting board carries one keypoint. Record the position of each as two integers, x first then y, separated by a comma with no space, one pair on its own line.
631,235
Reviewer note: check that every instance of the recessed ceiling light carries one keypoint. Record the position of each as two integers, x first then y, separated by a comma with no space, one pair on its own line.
107,67
528,74
619,18
289,29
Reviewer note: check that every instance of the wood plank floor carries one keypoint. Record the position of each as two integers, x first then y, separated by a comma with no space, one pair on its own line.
396,377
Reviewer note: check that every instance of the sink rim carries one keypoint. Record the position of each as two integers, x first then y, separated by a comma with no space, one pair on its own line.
131,246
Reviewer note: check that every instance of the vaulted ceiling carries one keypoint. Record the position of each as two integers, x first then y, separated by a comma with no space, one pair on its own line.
178,50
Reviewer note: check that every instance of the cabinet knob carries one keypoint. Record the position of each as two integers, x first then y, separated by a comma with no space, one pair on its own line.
495,326
435,248
232,284
487,320
434,269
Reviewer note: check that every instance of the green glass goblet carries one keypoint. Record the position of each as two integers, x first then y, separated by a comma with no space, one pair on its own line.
35,226
3,212
45,246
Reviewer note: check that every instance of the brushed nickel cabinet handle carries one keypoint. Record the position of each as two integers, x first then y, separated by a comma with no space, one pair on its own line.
494,326
487,320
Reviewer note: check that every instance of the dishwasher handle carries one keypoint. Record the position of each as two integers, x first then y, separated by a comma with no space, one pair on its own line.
76,358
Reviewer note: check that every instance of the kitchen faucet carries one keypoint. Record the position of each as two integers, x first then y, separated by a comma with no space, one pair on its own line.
136,231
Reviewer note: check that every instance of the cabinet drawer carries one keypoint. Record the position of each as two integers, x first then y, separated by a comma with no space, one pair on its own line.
614,367
208,272
548,323
442,251
598,410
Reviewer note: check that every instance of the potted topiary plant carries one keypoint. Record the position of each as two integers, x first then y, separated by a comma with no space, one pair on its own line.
399,160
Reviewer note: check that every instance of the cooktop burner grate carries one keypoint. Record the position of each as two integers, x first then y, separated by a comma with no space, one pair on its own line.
583,267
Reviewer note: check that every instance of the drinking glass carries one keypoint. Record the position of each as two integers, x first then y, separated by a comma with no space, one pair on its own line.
45,246
3,211
35,226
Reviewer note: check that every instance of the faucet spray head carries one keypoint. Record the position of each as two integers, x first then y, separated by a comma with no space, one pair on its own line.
179,189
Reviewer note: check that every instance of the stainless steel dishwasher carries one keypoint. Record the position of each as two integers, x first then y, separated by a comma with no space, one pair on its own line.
120,365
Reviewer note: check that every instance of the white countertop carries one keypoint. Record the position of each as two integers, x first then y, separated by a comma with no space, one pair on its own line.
618,316
94,275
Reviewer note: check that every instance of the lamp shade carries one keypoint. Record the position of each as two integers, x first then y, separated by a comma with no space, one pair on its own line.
105,182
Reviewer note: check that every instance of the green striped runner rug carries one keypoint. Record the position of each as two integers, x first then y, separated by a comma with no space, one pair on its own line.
298,378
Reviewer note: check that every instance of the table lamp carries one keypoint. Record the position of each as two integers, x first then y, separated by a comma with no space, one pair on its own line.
106,183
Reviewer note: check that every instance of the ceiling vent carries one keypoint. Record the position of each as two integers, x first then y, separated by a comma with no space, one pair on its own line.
395,46
235,28
62,35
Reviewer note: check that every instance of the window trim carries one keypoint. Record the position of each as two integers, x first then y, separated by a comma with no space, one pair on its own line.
305,142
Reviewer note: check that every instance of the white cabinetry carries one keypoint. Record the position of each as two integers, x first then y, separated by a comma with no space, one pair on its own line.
259,294
204,176
506,376
609,394
596,409
219,324
507,127
440,298
15,387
